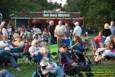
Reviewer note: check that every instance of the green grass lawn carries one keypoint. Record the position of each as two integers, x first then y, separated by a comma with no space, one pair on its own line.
98,69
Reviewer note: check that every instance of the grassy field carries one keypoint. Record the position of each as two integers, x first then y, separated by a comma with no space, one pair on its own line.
106,69
100,70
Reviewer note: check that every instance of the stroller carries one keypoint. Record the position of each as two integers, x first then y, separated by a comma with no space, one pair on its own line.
77,65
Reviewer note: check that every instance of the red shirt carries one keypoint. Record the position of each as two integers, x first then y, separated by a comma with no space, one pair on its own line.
98,39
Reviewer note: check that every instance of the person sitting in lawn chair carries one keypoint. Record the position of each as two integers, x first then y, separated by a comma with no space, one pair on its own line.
48,69
99,44
77,46
5,54
17,43
107,52
72,63
36,52
96,42
77,42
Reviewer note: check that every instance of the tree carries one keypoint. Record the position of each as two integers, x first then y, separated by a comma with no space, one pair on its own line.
95,11
8,7
77,5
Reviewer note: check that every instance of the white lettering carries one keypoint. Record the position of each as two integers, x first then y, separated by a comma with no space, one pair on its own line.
45,15
56,15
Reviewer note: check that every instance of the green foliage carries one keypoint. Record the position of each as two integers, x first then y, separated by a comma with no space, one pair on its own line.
96,12
24,6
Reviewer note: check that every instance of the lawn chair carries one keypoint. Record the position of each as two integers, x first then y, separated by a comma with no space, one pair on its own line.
81,65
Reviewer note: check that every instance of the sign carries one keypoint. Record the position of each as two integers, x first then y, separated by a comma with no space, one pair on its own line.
55,15
50,14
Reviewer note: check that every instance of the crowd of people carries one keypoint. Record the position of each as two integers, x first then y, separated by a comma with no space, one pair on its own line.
70,52
103,44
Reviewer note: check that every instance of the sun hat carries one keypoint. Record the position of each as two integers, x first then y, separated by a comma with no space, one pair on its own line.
76,23
43,65
49,65
106,26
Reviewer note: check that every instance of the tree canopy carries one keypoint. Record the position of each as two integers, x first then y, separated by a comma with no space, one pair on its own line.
94,11
15,7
